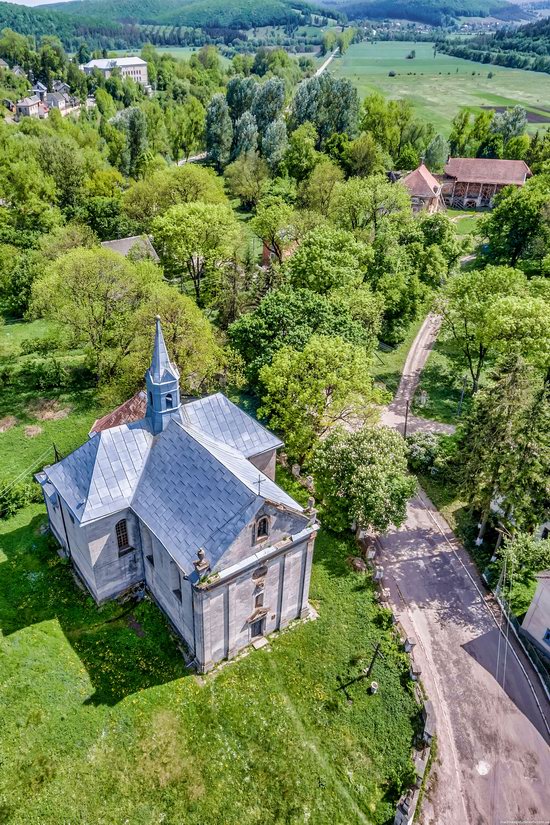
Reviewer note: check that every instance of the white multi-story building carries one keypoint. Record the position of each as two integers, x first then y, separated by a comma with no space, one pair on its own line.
133,67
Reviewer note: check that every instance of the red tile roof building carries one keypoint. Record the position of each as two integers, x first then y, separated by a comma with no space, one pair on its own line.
424,189
472,183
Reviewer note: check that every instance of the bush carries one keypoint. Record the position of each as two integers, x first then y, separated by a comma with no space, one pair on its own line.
15,496
422,450
40,346
50,374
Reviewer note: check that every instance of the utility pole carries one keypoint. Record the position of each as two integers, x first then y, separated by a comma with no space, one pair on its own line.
407,403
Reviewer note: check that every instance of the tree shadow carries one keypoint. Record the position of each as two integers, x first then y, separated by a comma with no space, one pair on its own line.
125,648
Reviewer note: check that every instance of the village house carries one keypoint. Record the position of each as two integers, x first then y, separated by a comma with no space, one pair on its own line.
424,189
133,67
536,624
29,107
472,183
180,497
3,64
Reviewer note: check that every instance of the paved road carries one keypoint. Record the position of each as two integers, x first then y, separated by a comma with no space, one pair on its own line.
494,761
394,414
492,715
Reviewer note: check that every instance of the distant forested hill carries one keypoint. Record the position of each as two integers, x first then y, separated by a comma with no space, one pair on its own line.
526,47
434,12
236,14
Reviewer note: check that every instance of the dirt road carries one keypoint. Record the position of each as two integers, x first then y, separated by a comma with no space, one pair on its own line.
394,414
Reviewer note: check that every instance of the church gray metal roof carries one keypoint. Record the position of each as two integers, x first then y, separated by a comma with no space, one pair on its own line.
161,366
190,489
220,418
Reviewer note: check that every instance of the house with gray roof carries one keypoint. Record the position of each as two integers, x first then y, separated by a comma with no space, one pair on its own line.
180,496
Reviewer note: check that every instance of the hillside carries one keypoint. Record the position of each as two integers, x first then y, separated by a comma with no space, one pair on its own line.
243,14
526,47
433,12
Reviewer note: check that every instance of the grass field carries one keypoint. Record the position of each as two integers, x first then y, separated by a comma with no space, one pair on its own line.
102,724
439,86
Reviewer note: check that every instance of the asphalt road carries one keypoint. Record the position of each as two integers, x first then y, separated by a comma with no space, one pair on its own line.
493,762
493,765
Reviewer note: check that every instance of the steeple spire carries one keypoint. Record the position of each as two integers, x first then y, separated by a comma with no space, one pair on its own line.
161,363
162,380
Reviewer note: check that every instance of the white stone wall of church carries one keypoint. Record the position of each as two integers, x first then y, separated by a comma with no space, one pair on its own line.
113,574
223,612
281,523
158,579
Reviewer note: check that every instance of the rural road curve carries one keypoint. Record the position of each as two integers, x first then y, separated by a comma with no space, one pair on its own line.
394,414
493,764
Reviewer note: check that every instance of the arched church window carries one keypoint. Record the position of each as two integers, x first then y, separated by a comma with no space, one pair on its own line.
169,402
151,399
262,528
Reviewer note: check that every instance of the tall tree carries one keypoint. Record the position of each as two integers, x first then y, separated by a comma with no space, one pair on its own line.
308,391
219,131
362,479
192,239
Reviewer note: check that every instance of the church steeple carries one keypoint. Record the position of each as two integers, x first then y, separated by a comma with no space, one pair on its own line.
162,381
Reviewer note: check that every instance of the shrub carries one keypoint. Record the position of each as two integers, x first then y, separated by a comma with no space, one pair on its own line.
422,451
13,496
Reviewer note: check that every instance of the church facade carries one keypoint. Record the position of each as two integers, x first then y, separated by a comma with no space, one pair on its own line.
181,497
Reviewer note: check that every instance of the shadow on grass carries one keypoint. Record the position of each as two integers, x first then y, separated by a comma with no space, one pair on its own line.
125,648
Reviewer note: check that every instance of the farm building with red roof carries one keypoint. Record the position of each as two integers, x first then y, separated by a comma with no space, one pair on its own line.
472,183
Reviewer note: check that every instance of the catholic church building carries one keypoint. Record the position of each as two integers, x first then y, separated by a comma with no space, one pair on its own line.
181,497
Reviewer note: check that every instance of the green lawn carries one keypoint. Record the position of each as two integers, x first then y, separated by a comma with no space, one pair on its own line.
35,418
102,724
442,379
467,223
439,86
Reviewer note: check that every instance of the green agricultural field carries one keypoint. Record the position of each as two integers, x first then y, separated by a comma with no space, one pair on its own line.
102,723
439,86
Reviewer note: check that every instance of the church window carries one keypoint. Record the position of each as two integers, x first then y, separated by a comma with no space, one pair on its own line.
262,528
151,399
259,599
169,402
121,530
175,580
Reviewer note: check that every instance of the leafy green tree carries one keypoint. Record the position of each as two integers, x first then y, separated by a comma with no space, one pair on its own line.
268,103
240,95
364,204
317,191
289,317
498,459
328,259
330,104
144,200
245,135
273,224
274,144
219,131
93,294
192,239
363,157
301,155
309,391
247,178
518,222
525,555
362,479
437,153
189,337
185,126
468,303
18,270
509,124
